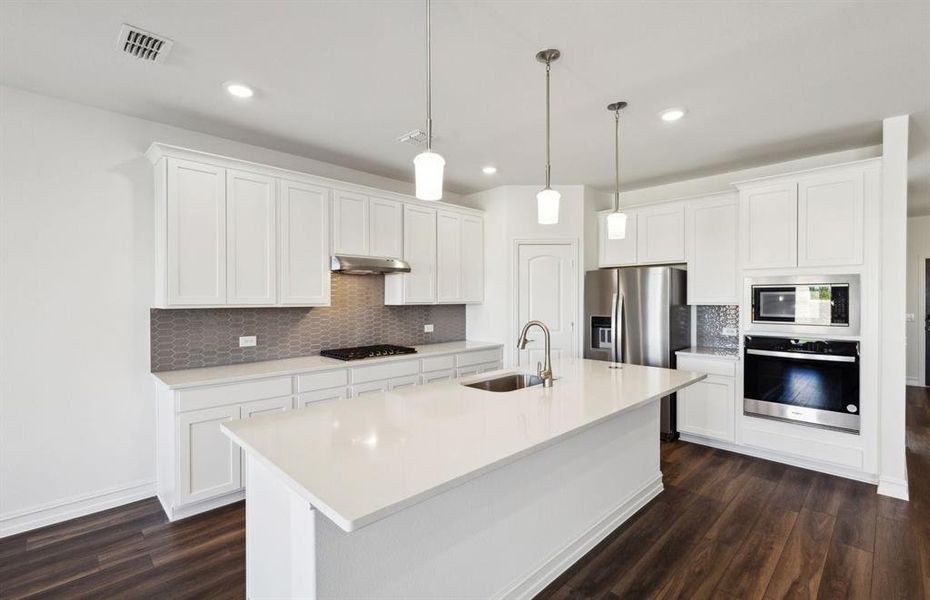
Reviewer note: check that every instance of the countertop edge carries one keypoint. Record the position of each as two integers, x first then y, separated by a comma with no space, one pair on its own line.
283,372
352,524
712,353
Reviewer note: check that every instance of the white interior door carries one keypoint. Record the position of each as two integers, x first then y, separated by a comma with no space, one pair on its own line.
547,291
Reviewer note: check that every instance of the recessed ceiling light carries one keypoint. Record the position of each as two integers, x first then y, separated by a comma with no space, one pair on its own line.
489,170
672,114
239,90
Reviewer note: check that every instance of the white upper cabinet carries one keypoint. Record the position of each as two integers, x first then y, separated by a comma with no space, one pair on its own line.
459,258
192,205
419,285
472,258
616,253
303,237
448,256
250,238
769,225
385,228
660,233
830,218
711,228
350,224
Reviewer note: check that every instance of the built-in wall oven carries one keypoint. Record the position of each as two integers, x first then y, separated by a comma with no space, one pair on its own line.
804,304
815,382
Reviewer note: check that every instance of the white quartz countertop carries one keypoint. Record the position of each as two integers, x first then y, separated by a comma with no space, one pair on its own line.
291,366
361,459
710,352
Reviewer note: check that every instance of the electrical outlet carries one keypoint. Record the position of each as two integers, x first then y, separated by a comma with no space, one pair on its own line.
729,331
247,341
428,328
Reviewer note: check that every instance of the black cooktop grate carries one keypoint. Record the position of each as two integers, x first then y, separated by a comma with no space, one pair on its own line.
367,352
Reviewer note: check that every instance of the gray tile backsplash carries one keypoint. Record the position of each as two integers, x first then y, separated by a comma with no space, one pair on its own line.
710,323
188,338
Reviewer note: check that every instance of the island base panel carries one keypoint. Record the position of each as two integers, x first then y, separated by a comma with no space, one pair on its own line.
505,534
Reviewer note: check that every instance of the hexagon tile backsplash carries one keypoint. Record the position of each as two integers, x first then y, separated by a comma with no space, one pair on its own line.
205,337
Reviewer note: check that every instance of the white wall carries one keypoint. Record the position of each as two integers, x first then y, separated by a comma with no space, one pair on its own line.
918,251
76,284
510,214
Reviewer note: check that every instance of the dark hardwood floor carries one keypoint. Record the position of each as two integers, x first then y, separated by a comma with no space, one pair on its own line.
727,526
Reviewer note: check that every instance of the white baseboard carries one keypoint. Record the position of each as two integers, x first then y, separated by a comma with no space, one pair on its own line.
794,461
894,487
563,559
76,506
183,512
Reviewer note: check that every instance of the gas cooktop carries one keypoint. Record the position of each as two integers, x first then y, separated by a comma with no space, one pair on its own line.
367,352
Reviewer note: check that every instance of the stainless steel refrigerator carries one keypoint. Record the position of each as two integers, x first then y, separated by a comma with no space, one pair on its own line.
640,316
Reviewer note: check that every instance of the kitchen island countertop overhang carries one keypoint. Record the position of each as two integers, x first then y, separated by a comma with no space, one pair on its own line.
362,459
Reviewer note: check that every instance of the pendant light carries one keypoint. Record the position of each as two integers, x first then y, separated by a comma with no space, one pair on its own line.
547,200
616,221
428,166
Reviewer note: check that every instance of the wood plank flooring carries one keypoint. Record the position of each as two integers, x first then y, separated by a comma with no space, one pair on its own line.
726,526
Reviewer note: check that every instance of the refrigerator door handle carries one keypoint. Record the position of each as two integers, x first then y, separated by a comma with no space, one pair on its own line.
617,322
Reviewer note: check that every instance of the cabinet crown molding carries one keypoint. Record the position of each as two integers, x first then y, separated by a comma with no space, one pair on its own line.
863,164
160,150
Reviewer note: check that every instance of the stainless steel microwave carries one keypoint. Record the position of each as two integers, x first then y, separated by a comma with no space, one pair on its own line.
804,304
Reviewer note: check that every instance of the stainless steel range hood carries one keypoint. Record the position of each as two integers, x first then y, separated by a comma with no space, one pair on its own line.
367,265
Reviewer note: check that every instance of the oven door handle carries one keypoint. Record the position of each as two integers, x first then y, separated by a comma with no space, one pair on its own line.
799,356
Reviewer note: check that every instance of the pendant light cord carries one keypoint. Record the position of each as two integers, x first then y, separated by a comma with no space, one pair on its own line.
617,156
429,83
548,165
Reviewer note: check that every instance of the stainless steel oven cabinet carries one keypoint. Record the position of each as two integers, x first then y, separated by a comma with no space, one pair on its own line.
814,305
813,382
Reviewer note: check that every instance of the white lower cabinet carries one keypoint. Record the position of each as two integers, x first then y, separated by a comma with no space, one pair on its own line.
709,407
199,468
213,462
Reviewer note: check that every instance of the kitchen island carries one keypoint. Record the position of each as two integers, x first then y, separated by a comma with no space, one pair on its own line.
449,491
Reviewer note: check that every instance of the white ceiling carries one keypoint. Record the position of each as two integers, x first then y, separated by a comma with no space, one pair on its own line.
339,81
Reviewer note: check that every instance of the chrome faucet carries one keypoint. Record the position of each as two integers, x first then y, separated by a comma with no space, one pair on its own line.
544,371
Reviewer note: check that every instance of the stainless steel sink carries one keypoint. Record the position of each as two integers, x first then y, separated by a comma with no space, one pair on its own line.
506,383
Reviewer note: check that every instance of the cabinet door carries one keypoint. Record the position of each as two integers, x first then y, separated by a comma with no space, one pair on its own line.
769,226
660,234
370,387
350,223
420,253
196,224
448,257
308,398
472,258
397,383
708,408
830,218
210,462
265,407
613,253
303,233
386,228
712,229
250,238
434,376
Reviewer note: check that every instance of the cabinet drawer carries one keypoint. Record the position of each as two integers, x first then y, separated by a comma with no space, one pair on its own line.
434,376
321,381
711,366
437,363
467,359
385,371
477,369
235,393
308,398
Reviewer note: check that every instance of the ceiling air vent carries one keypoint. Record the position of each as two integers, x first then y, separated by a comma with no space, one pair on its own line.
414,138
143,44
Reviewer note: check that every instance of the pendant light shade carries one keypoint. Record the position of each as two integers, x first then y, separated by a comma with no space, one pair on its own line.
547,206
616,221
547,200
616,226
428,166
